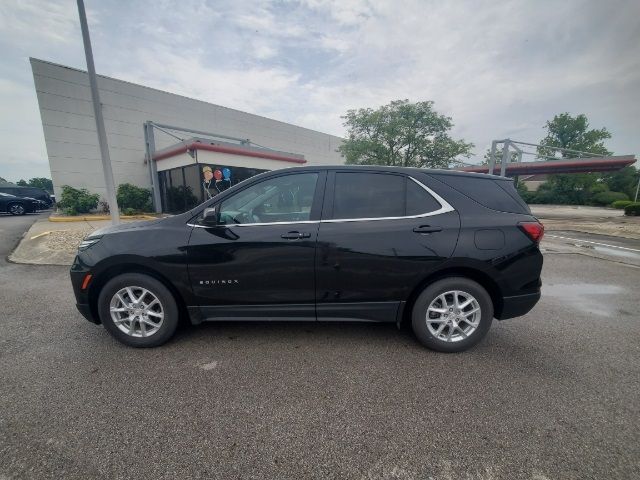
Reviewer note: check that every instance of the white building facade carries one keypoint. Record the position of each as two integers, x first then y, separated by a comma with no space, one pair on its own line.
70,135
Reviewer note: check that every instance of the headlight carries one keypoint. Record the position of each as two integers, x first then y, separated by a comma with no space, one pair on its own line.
88,242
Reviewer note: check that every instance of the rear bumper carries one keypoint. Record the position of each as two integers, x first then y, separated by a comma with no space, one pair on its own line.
518,305
85,310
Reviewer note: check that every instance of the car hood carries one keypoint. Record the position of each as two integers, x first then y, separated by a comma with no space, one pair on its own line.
125,226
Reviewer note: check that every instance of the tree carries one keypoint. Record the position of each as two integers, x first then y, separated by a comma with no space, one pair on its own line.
565,131
401,134
38,182
573,133
624,180
42,182
498,156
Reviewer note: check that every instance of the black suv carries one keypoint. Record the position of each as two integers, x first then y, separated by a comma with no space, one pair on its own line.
446,251
29,192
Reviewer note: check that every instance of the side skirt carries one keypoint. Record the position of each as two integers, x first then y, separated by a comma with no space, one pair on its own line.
381,312
259,313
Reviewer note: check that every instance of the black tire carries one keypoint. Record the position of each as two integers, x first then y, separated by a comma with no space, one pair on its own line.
157,288
16,209
430,294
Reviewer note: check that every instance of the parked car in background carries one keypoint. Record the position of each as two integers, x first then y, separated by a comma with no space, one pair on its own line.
33,192
446,252
17,205
40,204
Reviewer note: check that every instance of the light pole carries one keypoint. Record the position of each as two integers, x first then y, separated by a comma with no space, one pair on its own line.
97,112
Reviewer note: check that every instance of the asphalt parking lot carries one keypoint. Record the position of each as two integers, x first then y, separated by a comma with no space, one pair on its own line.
553,395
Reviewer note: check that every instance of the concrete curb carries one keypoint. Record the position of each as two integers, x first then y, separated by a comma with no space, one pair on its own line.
98,217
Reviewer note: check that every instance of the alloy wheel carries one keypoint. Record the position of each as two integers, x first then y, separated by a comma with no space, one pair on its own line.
136,311
453,316
16,209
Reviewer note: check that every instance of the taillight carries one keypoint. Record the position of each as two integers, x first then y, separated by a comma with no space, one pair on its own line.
534,230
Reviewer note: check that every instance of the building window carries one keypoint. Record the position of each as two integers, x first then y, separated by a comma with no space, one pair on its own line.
183,188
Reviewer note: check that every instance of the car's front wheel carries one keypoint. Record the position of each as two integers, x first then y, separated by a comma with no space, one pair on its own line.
452,314
17,209
138,310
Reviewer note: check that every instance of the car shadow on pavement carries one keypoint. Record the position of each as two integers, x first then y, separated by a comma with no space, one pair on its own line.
287,332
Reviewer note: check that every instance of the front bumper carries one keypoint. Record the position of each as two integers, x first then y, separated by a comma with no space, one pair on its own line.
77,274
518,305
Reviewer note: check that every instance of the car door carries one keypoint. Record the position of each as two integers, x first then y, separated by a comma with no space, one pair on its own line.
381,233
258,261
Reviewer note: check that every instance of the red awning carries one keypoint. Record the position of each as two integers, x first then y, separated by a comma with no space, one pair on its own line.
573,165
231,149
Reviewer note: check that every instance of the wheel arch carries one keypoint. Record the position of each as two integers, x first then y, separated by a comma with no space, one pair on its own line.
112,271
479,276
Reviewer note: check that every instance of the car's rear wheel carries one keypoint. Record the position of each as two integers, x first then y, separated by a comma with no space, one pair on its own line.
17,209
452,314
138,310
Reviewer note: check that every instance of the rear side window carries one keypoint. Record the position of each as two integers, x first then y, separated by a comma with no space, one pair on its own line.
419,200
379,195
368,195
498,195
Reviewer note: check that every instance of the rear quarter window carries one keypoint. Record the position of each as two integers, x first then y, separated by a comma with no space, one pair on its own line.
498,195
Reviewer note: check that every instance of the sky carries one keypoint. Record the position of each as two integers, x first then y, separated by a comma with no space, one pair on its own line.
499,69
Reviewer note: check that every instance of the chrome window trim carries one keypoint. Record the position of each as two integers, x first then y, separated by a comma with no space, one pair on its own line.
445,207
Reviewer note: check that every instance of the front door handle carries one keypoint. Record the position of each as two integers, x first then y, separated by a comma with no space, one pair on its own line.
427,229
295,235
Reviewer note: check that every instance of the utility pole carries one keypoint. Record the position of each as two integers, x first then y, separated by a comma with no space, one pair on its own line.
97,112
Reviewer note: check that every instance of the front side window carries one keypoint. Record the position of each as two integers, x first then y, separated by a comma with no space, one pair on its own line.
282,199
378,195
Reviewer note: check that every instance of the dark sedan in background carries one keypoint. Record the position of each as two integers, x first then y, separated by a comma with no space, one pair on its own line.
17,205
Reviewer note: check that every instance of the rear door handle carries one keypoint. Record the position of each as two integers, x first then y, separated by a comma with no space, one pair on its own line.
427,229
295,235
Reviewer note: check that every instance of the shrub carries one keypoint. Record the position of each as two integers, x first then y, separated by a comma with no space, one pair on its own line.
129,211
103,206
607,198
546,197
77,200
70,211
529,197
620,204
135,198
598,188
632,209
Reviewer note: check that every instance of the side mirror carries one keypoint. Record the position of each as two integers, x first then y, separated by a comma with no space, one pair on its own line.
210,216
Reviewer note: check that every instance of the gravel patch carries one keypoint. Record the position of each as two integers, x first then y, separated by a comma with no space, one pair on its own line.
66,241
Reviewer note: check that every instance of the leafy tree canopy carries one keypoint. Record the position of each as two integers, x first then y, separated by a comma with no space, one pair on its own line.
570,132
566,131
39,182
401,134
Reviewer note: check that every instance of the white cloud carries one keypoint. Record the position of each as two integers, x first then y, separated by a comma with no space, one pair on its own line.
497,69
49,21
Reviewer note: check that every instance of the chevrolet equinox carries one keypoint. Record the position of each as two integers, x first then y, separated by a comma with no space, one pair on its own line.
444,251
